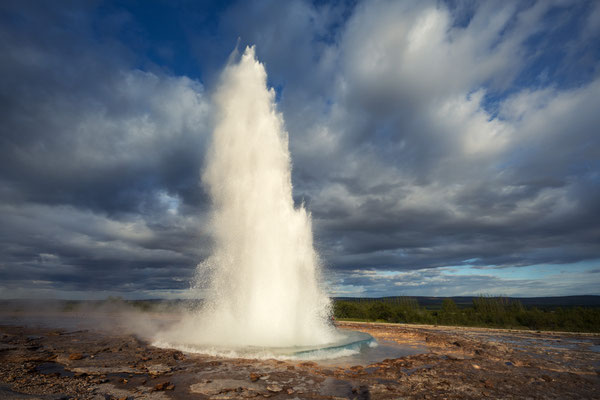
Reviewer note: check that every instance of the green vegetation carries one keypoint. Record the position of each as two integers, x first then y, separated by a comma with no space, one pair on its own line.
491,312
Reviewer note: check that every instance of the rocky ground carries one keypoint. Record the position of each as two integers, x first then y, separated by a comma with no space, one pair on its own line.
456,363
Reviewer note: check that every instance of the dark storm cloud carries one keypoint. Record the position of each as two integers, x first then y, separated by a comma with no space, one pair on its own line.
100,161
423,135
80,123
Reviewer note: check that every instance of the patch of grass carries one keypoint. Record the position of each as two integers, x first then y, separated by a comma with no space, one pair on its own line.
490,312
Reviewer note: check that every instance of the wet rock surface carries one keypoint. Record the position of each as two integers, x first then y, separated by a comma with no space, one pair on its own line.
459,363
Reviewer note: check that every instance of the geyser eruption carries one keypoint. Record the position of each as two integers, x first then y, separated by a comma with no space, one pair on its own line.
264,287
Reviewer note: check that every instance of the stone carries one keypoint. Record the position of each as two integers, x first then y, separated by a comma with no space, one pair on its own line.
75,356
254,377
274,388
308,364
162,386
158,369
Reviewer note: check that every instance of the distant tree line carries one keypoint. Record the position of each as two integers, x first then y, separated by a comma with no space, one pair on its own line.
493,312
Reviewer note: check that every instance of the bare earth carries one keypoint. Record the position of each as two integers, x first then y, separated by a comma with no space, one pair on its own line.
457,363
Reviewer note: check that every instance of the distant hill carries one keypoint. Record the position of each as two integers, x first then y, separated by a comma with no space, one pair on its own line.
434,302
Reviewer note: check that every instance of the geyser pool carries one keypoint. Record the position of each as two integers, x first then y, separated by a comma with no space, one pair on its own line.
348,343
264,289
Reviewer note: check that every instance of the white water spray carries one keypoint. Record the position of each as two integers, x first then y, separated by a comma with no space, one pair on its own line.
264,288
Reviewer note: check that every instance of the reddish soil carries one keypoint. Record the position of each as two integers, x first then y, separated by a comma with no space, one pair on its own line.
458,363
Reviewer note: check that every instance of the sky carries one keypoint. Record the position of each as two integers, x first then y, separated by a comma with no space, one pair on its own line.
443,148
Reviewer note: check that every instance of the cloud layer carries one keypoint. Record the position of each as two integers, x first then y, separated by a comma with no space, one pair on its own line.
424,135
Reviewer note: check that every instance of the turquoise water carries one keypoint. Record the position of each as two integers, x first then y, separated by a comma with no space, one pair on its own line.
353,341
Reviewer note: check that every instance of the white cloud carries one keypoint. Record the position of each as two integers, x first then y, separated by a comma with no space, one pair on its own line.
413,145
